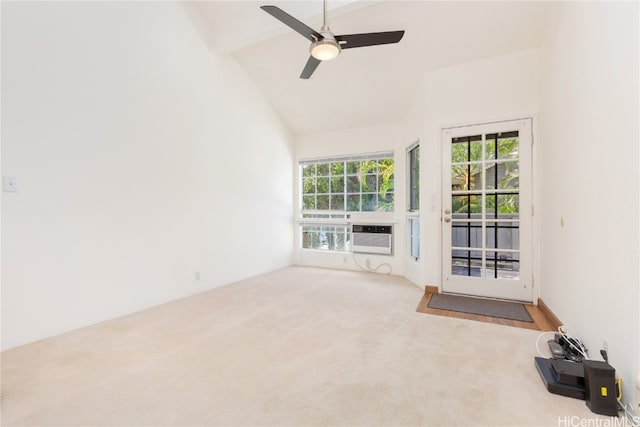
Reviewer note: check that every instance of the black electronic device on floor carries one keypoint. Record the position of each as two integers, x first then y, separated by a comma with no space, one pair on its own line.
562,377
569,373
600,386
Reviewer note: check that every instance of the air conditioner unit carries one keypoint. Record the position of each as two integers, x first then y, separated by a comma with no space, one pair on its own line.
372,239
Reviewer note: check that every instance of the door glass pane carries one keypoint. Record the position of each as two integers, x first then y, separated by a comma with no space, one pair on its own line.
475,151
503,265
466,205
508,205
506,144
503,206
503,235
466,149
459,150
490,148
466,234
509,176
466,263
459,178
466,177
505,174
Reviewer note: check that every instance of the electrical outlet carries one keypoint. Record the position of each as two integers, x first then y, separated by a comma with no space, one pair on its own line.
9,184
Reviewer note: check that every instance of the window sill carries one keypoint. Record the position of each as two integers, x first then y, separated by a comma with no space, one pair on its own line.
324,251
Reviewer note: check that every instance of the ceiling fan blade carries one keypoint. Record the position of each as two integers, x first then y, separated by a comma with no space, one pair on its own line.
369,39
292,22
311,66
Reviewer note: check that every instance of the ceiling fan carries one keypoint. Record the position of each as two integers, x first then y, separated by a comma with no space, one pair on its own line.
324,44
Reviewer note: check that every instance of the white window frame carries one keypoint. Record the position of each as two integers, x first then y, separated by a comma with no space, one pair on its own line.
412,214
335,218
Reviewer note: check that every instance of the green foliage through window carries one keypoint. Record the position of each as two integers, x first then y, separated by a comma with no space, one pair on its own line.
351,185
499,167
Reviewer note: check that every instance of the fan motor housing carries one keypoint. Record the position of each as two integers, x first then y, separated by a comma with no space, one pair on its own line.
327,47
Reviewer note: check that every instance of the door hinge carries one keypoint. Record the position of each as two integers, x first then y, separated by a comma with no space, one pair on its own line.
532,140
532,210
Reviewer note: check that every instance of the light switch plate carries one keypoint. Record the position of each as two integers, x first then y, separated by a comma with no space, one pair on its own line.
9,184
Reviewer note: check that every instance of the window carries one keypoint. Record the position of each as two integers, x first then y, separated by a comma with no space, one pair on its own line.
326,232
333,188
350,184
414,177
326,237
414,237
413,200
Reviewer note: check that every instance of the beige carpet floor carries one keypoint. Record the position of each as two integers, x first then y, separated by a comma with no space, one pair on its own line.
299,346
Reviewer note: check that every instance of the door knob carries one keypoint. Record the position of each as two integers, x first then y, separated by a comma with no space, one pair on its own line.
447,219
447,211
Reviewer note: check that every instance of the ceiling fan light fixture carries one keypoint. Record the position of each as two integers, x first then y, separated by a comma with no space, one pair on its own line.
325,49
324,44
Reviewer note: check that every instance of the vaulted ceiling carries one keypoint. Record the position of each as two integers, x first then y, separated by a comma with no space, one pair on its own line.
370,85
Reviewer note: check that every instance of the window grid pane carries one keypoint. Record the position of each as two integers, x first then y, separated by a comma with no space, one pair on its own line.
365,185
414,233
326,238
414,179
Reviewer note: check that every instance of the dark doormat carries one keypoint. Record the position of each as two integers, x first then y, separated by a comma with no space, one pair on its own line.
484,307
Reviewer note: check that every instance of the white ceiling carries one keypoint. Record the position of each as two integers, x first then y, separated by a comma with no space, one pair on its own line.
370,85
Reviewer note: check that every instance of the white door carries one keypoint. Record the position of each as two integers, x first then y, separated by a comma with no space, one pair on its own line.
486,210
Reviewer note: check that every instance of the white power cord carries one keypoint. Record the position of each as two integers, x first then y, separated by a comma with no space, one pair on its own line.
541,354
564,332
372,270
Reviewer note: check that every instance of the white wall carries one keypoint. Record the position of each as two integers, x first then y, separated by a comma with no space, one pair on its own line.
488,90
141,158
388,137
589,177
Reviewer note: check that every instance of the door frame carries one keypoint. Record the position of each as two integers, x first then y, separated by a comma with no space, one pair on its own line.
533,221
